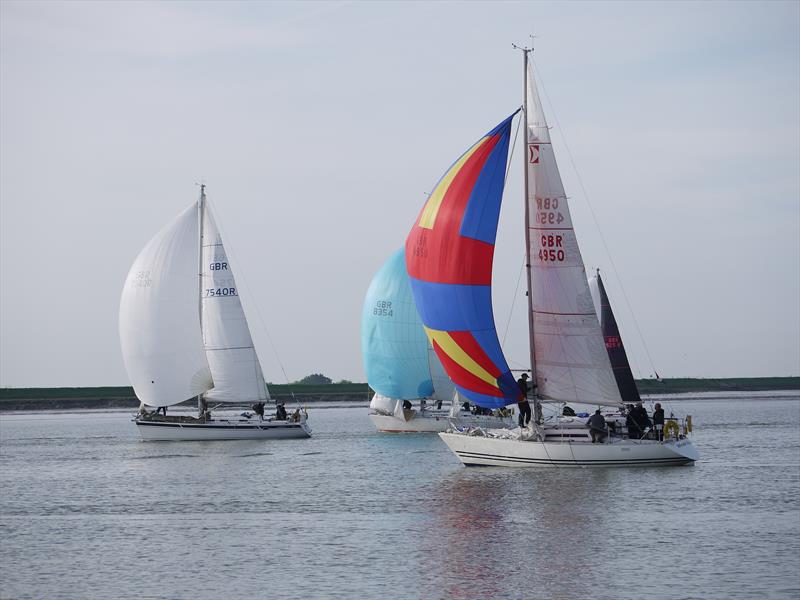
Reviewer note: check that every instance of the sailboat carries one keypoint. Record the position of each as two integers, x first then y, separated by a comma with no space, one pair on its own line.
413,394
449,254
184,335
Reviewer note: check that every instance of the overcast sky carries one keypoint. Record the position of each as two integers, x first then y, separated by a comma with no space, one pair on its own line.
319,127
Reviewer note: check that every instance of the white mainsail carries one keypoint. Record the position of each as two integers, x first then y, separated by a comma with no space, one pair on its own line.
572,364
229,348
159,322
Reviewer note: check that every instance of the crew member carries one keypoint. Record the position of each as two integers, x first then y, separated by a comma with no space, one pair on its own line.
522,403
597,427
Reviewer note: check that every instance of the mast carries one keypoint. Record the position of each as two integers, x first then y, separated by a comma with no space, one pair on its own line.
537,409
201,207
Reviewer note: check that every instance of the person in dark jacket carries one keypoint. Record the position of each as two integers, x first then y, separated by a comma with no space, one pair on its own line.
522,403
258,408
280,413
407,405
658,422
637,421
597,427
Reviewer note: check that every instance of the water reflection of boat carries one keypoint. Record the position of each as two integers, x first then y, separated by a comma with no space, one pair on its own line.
449,254
509,516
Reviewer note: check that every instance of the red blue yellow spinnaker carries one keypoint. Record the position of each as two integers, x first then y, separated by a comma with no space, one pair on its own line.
449,254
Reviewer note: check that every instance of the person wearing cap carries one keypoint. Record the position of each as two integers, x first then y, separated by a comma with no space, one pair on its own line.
522,402
597,427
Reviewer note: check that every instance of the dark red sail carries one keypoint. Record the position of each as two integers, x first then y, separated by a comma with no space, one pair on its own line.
615,349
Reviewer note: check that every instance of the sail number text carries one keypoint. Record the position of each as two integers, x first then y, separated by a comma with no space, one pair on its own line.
421,247
551,248
224,291
383,308
547,212
218,266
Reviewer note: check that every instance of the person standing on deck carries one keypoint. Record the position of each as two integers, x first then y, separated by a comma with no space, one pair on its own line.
597,427
658,422
522,403
639,414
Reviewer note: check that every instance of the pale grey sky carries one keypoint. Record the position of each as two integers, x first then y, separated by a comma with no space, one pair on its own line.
318,128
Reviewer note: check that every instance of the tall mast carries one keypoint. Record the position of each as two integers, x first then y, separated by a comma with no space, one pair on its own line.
531,345
201,208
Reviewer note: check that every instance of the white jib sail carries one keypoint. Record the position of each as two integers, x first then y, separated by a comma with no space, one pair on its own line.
229,347
159,322
572,364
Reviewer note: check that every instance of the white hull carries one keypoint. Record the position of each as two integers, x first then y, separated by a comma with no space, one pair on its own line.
222,429
434,422
498,452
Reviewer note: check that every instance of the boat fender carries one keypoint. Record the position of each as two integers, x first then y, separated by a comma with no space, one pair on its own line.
671,426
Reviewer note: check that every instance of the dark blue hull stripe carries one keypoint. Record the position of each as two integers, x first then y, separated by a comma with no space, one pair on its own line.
465,456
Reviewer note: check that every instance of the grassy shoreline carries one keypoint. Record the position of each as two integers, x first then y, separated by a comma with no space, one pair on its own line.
124,397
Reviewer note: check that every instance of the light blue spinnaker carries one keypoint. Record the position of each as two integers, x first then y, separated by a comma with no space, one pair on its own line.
394,346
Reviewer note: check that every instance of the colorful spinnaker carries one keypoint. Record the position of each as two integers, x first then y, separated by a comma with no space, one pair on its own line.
449,254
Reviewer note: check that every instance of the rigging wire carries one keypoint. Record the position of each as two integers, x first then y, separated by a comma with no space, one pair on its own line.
505,179
524,258
594,218
514,298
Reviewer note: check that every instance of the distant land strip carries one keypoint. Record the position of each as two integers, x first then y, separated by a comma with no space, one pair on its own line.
124,397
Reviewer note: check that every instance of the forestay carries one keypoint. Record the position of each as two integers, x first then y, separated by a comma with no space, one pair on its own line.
159,321
571,360
226,336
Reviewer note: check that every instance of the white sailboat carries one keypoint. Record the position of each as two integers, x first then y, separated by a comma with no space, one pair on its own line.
569,358
413,394
184,335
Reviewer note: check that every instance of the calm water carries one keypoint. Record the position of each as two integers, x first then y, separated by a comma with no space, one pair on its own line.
89,511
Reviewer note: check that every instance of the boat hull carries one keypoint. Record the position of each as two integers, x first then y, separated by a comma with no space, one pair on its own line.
433,422
479,450
222,430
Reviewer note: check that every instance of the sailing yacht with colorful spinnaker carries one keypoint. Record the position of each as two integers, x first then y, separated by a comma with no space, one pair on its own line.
449,255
